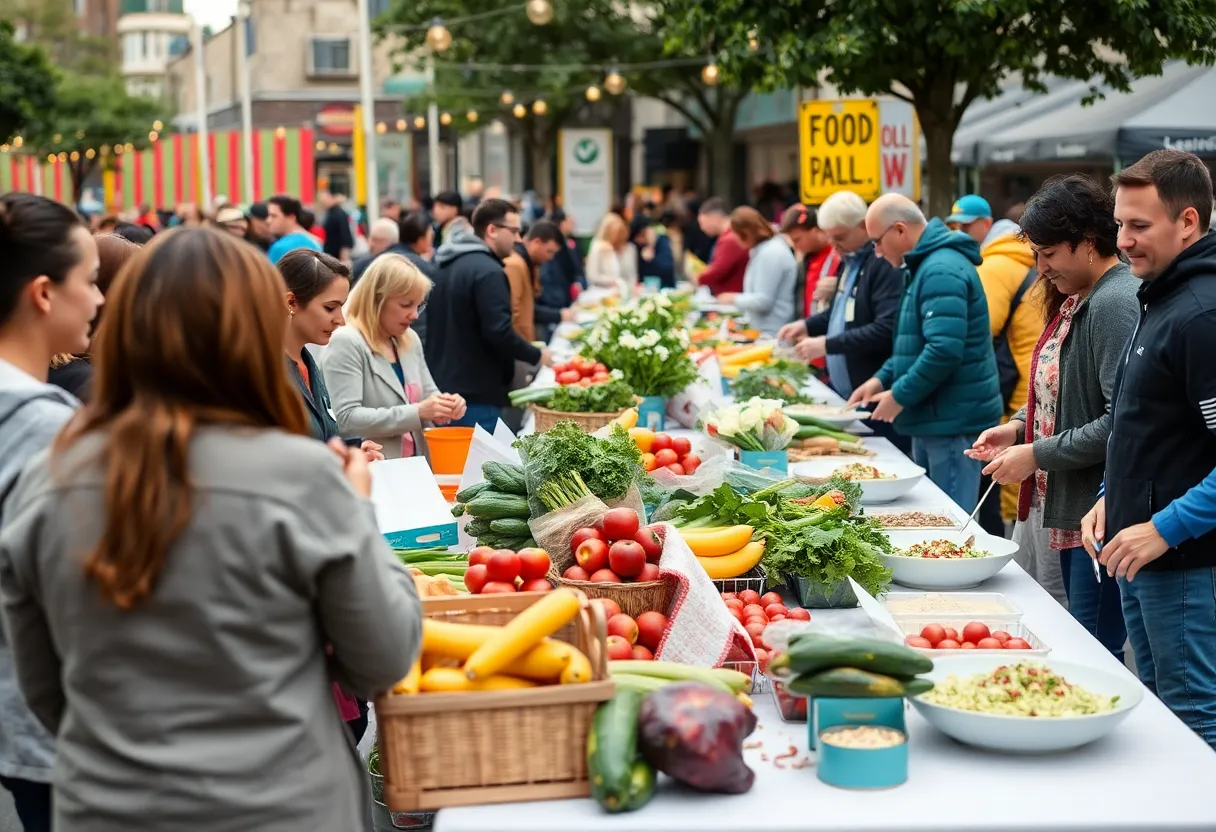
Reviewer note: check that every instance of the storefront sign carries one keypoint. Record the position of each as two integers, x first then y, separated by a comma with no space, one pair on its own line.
585,176
336,120
900,148
864,145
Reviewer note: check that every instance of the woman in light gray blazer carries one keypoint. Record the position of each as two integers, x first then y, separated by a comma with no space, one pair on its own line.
771,278
186,572
379,384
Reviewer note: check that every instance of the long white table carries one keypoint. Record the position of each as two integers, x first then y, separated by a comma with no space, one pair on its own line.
1149,774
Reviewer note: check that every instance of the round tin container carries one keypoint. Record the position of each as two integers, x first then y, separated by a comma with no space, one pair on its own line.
875,757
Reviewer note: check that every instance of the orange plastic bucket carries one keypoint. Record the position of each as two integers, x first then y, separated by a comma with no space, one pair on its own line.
449,449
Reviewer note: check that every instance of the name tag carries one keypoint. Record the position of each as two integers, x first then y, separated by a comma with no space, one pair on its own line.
332,415
849,309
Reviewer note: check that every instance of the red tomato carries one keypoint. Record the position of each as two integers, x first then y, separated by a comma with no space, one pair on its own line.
481,554
775,609
918,641
691,463
799,614
641,654
503,566
676,468
975,631
762,659
1001,636
568,377
947,644
735,611
682,445
933,633
770,598
587,370
621,524
586,382
726,596
775,618
951,633
753,609
605,576
583,534
982,644
627,558
666,457
592,555
600,378
534,585
475,578
1017,644
558,369
533,563
734,602
650,572
755,630
661,442
574,573
967,645
749,596
599,368
609,606
497,588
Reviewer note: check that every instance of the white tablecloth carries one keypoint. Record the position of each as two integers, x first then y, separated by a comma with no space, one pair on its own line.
1149,774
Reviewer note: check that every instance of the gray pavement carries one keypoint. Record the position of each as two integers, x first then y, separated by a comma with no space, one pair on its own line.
8,818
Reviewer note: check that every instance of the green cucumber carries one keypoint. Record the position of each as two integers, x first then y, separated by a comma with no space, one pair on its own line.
641,785
458,510
507,479
491,505
850,683
667,511
612,752
812,653
511,527
811,431
472,491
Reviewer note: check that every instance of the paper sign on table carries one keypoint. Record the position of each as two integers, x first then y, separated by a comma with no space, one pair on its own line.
875,610
410,510
484,448
503,436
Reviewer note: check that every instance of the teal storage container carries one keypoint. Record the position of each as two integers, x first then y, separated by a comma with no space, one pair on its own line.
879,766
765,459
652,413
826,712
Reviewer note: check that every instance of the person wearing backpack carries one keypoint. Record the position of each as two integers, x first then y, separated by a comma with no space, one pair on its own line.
1007,274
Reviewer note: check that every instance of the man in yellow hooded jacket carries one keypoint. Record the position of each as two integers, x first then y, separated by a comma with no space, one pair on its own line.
1008,261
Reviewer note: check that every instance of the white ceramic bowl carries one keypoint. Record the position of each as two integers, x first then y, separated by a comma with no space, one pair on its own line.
830,414
907,475
1030,735
947,573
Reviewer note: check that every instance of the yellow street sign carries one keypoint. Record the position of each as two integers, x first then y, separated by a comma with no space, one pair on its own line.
839,146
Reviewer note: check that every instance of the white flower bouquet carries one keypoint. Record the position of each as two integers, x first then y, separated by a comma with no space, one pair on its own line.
755,425
647,344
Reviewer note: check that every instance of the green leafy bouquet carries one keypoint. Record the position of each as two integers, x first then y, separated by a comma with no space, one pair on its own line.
608,397
647,344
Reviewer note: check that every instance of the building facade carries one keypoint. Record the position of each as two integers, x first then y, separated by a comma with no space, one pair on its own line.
151,34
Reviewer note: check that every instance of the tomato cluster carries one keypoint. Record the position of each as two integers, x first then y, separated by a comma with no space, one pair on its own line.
629,637
662,451
975,636
755,612
501,570
581,371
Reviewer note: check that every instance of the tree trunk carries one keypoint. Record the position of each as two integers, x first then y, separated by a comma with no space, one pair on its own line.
720,146
541,149
939,117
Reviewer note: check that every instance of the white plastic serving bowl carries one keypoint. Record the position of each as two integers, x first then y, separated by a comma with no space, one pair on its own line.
1029,735
907,475
947,573
830,414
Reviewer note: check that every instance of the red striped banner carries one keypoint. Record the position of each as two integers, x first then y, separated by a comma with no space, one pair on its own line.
137,178
308,183
235,160
16,174
257,167
179,172
119,194
280,164
58,194
158,175
211,158
32,172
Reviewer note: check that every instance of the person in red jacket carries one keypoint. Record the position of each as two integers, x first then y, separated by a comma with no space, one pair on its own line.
729,259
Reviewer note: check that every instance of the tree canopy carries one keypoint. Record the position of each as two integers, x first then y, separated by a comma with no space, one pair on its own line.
942,55
28,81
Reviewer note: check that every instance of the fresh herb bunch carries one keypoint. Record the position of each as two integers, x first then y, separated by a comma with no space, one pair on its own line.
563,491
782,380
648,344
607,466
608,397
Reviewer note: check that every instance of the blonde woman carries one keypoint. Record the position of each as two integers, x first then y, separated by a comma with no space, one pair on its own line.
611,261
379,384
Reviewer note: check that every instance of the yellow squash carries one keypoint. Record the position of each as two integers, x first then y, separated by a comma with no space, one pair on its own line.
578,671
543,663
717,542
523,632
410,683
628,419
453,680
733,565
749,355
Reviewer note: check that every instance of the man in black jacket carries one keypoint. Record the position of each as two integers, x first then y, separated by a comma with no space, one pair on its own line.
856,333
1158,515
471,346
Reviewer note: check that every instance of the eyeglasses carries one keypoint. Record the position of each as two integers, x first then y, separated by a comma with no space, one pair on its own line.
877,240
514,229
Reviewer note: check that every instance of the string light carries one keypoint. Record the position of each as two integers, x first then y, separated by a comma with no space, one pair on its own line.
445,119
520,110
614,82
63,157
128,147
709,74
381,128
52,158
471,115
539,12
280,132
333,147
158,125
18,141
419,122
438,37
153,136
539,107
320,146
90,153
118,148
105,150
753,40
401,125
593,93
3,148
507,98
75,157
57,138
80,134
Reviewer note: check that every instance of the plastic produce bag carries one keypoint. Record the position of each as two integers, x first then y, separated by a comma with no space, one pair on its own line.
716,459
554,531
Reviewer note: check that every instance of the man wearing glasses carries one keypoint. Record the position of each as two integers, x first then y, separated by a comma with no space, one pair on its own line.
471,345
940,384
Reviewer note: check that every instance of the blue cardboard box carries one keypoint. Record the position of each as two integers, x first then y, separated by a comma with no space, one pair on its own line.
765,459
410,509
652,413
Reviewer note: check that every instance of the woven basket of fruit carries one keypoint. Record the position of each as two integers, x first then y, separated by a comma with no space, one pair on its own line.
544,418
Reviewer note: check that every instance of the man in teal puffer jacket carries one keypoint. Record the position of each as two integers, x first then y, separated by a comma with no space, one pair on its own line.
940,385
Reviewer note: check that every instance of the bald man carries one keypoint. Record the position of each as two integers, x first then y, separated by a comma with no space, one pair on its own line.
382,236
940,385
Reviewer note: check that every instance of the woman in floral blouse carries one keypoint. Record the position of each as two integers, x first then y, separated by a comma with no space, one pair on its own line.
1055,446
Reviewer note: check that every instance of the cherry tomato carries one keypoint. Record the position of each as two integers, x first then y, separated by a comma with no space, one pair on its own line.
951,633
947,644
975,631
558,369
1017,644
775,609
661,441
691,463
568,377
600,378
665,457
770,598
682,445
933,633
982,644
918,641
1001,636
600,368
677,469
799,614
967,645
585,382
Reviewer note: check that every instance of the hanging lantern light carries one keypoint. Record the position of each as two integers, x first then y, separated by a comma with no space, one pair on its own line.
507,98
445,119
153,136
75,157
52,158
419,122
438,37
381,128
90,153
401,125
539,107
520,110
709,74
614,82
753,40
471,115
539,12
18,141
593,93
158,125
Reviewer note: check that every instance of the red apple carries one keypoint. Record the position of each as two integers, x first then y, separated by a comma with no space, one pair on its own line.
640,653
479,554
605,576
587,533
534,585
503,566
592,554
666,457
609,606
651,626
533,563
497,588
574,573
627,557
650,572
650,542
621,524
691,463
475,578
619,649
623,626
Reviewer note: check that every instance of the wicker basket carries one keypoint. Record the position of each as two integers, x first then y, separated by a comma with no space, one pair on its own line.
459,749
755,578
544,418
633,599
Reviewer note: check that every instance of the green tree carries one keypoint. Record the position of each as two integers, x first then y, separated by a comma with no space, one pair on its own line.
52,24
942,55
94,113
28,81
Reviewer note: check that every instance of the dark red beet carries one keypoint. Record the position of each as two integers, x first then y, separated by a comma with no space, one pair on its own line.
695,733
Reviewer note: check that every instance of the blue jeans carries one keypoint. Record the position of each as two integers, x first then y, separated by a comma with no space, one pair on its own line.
486,415
1097,607
32,801
958,476
1171,622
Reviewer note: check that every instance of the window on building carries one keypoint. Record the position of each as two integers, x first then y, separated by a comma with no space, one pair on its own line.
378,7
177,45
331,56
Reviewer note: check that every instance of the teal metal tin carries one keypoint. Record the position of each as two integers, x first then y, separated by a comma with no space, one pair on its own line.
760,460
652,413
863,766
826,712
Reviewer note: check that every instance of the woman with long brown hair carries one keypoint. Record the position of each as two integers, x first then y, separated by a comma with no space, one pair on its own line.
176,635
772,273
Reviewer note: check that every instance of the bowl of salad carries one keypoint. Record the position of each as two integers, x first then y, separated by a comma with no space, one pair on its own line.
1025,706
881,482
946,558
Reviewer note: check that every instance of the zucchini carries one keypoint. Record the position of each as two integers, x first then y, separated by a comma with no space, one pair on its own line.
511,527
641,785
507,479
809,654
851,683
491,505
612,754
811,431
472,491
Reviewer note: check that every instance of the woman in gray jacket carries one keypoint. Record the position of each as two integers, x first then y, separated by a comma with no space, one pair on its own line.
220,569
1056,445
771,277
379,383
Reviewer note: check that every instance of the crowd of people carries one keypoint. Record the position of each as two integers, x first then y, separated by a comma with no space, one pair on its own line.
221,587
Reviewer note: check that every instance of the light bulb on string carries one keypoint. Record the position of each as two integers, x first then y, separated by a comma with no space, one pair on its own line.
80,134
280,132
445,119
75,157
158,125
118,150
709,74
540,12
3,148
90,153
539,107
57,138
105,150
381,128
438,37
128,147
63,157
507,98
520,110
401,125
753,40
320,147
419,122
153,136
593,93
471,116
52,158
18,141
614,82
